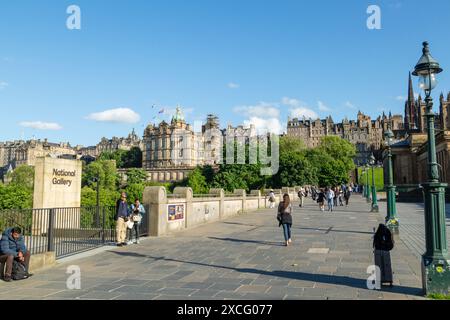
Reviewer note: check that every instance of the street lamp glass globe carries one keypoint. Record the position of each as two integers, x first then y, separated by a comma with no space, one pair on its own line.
425,83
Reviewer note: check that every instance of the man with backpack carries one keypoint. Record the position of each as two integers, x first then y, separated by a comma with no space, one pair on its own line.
13,252
383,243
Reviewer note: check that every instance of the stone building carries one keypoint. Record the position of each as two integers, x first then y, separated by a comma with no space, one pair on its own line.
172,150
114,144
366,134
17,153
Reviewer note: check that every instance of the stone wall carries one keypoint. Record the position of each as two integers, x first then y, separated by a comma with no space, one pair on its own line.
181,210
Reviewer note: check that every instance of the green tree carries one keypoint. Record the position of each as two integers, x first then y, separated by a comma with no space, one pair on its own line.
132,158
105,170
124,158
107,197
136,176
291,144
295,170
135,191
23,176
197,182
14,196
340,150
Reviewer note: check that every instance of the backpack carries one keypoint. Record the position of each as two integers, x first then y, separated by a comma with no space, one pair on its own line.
18,271
383,239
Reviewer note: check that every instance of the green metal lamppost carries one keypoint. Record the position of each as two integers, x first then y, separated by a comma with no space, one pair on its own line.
365,187
391,218
435,261
374,189
368,185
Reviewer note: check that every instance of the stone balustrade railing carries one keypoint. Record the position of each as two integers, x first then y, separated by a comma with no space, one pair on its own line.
183,210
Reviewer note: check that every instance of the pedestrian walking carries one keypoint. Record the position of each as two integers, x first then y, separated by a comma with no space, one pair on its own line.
301,196
321,199
335,198
271,196
330,196
284,216
341,197
347,195
121,219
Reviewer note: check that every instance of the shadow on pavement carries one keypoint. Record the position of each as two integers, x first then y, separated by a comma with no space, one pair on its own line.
276,244
333,230
293,275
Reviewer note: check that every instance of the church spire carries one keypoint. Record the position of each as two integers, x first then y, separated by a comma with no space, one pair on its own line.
410,90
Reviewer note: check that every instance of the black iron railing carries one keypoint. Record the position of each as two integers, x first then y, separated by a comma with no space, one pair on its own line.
65,231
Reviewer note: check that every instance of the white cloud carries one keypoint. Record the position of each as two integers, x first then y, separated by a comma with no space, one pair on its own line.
293,102
262,110
322,106
299,109
233,85
119,115
303,112
263,126
350,105
3,85
41,125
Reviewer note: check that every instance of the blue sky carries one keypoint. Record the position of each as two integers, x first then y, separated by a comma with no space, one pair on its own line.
244,60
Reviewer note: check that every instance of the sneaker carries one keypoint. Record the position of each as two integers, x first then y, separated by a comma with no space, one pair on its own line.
120,244
137,242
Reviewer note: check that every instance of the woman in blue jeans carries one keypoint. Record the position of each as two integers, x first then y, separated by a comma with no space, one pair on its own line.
285,218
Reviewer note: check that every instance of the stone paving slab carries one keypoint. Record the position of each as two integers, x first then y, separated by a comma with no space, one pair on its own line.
244,258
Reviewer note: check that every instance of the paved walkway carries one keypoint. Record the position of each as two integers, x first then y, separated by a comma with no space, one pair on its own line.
241,258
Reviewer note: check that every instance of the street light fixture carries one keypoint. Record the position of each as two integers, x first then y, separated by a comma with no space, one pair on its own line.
435,261
372,162
391,218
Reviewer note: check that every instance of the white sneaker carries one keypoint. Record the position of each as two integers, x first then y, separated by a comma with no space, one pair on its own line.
129,242
138,242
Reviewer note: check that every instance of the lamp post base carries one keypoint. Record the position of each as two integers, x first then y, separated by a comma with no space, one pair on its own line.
435,261
435,275
375,208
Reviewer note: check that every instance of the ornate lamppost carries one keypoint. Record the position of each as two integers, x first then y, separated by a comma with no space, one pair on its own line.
391,218
372,162
363,173
435,261
367,184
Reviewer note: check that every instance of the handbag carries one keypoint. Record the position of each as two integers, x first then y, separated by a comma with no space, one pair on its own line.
130,224
137,218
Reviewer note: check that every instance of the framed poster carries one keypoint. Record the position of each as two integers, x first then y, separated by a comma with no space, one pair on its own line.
176,212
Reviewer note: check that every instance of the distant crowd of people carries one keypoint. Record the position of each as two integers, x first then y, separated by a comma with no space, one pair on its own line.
332,196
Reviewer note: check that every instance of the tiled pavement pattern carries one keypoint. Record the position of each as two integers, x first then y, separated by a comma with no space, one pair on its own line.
412,230
240,258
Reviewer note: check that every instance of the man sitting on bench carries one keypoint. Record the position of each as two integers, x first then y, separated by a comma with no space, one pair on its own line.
12,247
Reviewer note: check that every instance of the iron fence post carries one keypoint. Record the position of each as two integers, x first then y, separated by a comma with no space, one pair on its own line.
104,225
50,232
